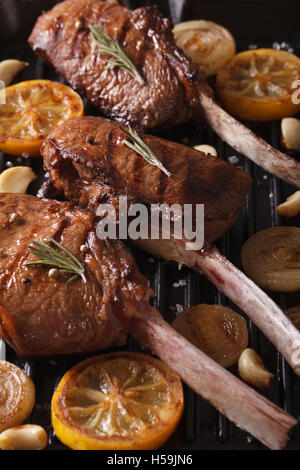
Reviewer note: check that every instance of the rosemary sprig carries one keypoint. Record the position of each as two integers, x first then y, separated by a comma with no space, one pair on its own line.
66,263
112,48
140,147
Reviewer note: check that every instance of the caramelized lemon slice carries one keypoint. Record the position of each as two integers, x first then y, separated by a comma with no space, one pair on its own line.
31,110
256,85
117,401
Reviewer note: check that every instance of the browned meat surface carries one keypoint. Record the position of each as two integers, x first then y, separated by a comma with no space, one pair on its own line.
166,99
42,316
88,162
174,90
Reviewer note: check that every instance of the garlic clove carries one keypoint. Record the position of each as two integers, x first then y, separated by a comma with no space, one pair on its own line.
206,149
25,437
10,68
290,134
16,179
291,207
252,369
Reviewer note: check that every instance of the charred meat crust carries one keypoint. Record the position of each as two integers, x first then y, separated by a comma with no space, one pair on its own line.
106,168
169,95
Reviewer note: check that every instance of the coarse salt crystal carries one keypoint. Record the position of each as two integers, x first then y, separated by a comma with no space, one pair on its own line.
276,45
233,160
179,308
284,45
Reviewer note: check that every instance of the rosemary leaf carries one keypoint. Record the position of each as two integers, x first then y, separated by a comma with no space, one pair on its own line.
49,256
140,147
71,279
67,252
112,48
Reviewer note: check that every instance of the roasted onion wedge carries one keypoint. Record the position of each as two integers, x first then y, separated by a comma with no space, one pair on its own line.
271,258
218,331
17,395
208,44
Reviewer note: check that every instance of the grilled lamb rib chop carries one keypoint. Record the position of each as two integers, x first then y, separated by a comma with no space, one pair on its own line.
174,90
41,316
195,177
88,162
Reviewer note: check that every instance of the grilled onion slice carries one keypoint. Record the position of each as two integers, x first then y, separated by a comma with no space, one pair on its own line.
208,44
271,258
17,395
218,331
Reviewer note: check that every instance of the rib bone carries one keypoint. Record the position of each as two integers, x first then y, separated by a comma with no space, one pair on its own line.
242,291
240,403
244,141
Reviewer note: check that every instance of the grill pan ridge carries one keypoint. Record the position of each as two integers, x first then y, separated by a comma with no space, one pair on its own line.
201,427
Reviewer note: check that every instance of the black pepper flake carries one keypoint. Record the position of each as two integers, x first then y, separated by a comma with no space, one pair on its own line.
90,140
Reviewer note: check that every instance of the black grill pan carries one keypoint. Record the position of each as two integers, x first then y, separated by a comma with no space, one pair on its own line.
258,22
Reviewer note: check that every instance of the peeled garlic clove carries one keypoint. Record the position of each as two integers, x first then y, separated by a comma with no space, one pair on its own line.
26,437
291,207
16,179
206,149
17,395
290,134
10,68
252,369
